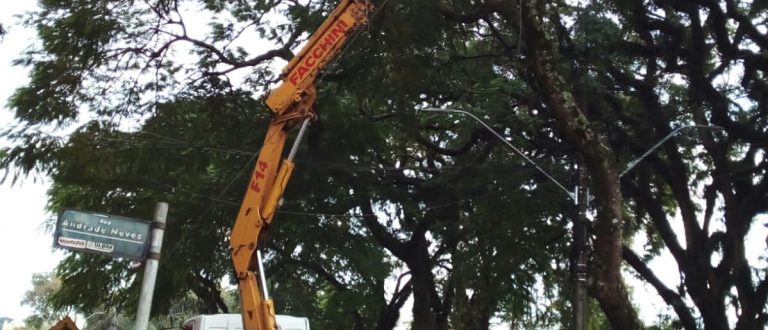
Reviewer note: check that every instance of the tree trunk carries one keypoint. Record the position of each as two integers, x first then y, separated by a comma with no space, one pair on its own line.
427,309
390,314
541,59
426,304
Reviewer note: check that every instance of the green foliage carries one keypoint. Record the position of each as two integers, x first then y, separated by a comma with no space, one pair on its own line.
379,190
40,299
194,150
100,164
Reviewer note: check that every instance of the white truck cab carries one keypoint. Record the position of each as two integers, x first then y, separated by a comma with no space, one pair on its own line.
235,322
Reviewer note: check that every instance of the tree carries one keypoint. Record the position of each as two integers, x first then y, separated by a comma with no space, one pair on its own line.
44,286
610,85
383,193
79,182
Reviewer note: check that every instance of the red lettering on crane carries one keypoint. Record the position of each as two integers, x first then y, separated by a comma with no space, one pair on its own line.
255,186
316,55
258,175
340,28
317,52
327,42
262,167
302,71
310,61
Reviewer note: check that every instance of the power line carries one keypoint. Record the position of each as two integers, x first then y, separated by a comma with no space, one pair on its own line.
327,164
211,205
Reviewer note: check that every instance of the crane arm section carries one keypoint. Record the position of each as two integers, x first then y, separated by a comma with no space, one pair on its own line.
299,75
291,102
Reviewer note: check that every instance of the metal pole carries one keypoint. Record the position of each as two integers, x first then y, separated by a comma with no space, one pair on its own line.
296,142
263,278
150,272
580,198
579,262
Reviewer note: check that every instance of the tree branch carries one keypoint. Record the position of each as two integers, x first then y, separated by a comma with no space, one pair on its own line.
479,12
670,297
379,232
318,269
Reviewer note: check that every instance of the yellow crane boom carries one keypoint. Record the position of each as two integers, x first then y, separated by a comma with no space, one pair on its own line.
291,102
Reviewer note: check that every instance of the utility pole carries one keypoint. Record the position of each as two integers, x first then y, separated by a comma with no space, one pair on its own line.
150,270
580,198
579,272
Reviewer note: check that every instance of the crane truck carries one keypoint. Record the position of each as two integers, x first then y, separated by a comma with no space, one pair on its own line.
291,104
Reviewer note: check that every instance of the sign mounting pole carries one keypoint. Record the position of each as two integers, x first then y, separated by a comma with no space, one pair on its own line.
150,270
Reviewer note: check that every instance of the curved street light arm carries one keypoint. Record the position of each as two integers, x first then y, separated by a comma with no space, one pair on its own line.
571,195
634,163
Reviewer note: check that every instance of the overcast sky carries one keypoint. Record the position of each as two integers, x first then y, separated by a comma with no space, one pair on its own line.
24,246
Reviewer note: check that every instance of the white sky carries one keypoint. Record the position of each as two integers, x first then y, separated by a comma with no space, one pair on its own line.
24,246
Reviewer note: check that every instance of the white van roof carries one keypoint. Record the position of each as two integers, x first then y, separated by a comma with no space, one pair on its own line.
235,322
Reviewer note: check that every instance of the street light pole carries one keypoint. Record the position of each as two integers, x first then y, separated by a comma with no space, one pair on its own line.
579,271
578,255
579,258
572,195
